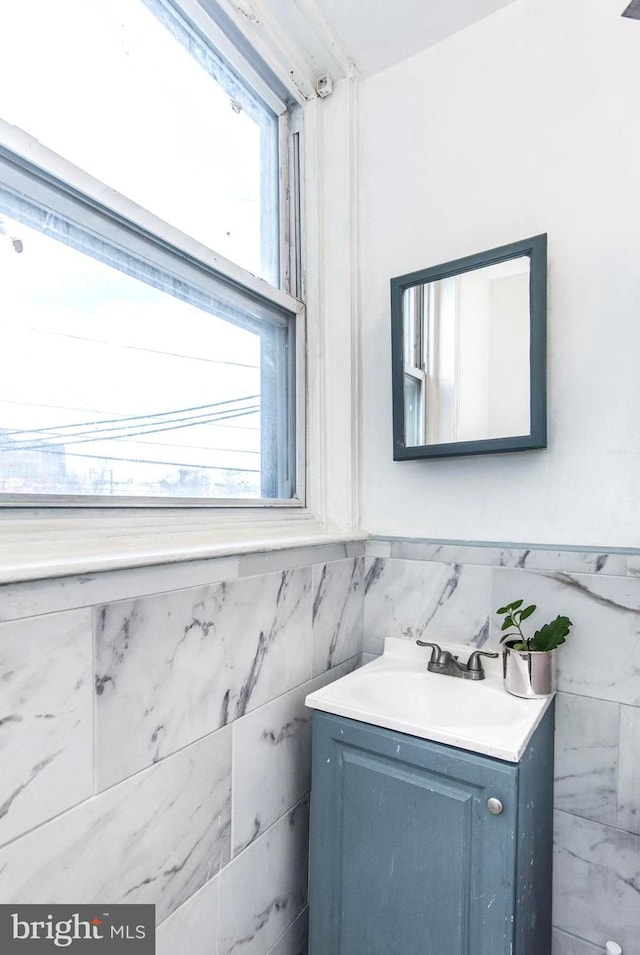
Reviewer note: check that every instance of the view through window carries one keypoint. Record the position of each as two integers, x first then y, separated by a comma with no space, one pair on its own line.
103,383
125,91
129,370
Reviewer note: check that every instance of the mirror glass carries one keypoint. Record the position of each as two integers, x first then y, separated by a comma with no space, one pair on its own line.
468,356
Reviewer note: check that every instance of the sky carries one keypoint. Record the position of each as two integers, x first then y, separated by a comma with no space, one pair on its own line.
95,358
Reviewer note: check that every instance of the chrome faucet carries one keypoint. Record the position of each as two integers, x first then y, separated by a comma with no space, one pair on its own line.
442,661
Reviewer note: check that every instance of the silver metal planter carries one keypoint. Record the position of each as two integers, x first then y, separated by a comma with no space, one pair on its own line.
529,674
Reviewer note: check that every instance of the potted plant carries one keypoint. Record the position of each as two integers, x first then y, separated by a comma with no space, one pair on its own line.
529,663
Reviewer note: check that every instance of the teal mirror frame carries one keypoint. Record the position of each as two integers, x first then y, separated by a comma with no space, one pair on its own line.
536,249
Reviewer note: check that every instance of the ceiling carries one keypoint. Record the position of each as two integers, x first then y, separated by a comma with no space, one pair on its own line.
376,34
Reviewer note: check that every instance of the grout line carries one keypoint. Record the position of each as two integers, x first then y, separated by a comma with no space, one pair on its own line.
154,590
594,822
299,917
232,794
94,702
504,545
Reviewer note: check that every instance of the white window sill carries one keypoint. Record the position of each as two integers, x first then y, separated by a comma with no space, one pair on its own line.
33,548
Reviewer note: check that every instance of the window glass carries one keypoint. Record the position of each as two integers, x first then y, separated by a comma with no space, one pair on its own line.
136,367
119,378
128,92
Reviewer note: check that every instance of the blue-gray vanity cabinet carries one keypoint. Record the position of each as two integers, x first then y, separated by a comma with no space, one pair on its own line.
406,857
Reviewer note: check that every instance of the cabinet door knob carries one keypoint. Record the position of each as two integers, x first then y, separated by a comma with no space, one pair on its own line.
494,805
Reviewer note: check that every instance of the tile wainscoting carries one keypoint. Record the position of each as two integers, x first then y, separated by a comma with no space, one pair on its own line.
155,746
433,589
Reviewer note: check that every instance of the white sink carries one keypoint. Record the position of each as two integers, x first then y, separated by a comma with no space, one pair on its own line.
396,691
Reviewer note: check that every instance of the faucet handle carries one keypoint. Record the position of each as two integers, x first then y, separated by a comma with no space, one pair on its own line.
474,664
435,652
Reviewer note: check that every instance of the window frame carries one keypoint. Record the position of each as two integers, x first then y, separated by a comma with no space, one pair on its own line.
118,216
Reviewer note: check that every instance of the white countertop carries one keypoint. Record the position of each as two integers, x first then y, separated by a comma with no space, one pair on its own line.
397,692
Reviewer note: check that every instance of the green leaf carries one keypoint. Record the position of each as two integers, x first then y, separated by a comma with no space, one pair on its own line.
508,622
552,634
527,612
509,608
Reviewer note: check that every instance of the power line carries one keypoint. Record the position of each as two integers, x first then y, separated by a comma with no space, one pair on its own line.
193,447
76,439
151,351
38,404
227,410
176,464
132,431
120,420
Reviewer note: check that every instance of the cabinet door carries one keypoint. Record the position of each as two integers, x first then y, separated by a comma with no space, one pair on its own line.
406,859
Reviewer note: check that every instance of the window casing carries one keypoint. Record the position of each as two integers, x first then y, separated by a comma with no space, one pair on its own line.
54,201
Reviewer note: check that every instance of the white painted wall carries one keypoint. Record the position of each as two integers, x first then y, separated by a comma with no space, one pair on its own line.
526,122
331,281
378,33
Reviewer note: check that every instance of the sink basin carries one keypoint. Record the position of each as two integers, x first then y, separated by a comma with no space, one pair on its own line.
411,693
396,691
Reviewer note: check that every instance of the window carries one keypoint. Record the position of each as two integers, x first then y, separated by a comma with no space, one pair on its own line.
150,341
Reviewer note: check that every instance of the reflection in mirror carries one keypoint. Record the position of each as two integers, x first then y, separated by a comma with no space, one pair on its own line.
469,354
466,355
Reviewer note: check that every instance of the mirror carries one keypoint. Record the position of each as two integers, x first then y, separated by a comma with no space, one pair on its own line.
469,354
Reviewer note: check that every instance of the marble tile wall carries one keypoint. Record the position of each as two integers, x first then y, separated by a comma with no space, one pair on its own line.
155,746
451,590
154,742
46,741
